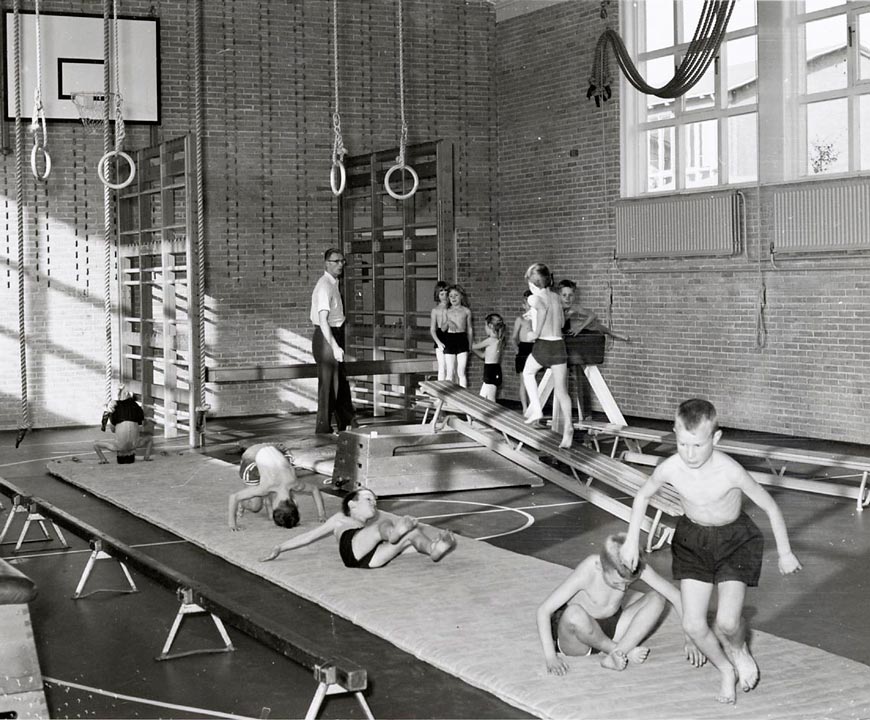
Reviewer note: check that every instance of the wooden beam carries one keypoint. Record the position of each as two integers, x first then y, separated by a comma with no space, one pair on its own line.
263,373
259,626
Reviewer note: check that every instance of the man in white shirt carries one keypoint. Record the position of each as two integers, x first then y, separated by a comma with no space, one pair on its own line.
327,316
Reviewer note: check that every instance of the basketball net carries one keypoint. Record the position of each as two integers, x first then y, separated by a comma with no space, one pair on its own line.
91,107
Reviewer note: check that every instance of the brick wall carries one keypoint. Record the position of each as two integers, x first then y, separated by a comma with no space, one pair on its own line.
269,211
696,325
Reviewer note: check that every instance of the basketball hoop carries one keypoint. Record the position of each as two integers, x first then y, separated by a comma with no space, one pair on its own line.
91,106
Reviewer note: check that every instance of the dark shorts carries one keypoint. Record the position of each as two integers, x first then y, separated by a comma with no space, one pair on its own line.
345,550
524,349
492,374
718,553
440,334
126,459
550,352
455,343
607,625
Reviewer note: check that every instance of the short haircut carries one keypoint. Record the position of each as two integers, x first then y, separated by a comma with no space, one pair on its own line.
331,251
286,514
610,559
439,286
696,411
463,296
539,275
496,322
527,293
566,283
350,497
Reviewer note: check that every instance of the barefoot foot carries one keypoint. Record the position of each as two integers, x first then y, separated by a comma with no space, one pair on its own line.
444,544
567,439
616,660
727,694
638,654
534,417
747,670
401,528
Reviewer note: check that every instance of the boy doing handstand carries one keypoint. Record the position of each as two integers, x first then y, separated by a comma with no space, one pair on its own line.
715,544
271,482
592,609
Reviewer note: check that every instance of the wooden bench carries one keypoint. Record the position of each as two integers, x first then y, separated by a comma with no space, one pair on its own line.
777,458
510,436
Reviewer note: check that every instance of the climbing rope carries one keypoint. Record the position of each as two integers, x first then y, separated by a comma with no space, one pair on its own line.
107,216
25,423
116,101
403,139
703,47
38,128
337,174
202,407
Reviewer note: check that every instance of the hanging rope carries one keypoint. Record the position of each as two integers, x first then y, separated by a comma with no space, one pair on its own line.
115,100
107,215
25,423
403,140
38,128
337,174
203,407
705,43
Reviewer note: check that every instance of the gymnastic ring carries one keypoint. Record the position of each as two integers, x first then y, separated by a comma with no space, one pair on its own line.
395,195
337,188
101,169
47,159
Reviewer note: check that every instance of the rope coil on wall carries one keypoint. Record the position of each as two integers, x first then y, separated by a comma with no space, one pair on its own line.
705,43
337,174
400,165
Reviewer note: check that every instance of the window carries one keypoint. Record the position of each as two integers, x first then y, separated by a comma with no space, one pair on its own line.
807,115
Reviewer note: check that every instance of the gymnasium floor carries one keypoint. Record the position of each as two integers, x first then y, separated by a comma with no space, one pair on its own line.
97,653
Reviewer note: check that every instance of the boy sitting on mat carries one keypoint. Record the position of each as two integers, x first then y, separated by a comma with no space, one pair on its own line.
131,429
270,482
594,610
715,543
368,540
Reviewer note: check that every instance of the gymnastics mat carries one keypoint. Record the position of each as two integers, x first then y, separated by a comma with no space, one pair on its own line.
473,614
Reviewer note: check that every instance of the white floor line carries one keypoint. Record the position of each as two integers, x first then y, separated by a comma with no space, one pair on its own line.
144,701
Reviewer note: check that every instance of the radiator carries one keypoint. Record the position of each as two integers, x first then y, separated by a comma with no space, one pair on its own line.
708,224
815,218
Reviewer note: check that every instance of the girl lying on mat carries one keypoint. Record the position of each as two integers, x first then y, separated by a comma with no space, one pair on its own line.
367,540
271,482
593,610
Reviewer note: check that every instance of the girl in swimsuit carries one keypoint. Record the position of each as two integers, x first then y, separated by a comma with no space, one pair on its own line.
438,325
458,338
545,313
367,540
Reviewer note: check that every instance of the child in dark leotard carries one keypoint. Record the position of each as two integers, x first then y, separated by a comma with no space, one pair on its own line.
489,350
368,540
438,325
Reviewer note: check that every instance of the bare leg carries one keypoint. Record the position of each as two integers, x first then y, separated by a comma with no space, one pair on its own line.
146,442
730,628
488,391
461,364
524,398
450,367
101,445
442,366
695,596
639,618
560,391
534,411
423,540
580,633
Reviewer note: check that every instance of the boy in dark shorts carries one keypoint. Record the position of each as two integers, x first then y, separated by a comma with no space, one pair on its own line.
593,609
716,545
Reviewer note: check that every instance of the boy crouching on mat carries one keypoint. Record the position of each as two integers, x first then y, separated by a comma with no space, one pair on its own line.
270,482
132,430
594,610
715,543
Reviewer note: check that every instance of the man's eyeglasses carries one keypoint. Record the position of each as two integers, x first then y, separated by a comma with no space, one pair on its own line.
337,260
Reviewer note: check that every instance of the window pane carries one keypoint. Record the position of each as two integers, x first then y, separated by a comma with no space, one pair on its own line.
743,15
659,24
702,154
741,75
827,137
864,46
703,95
864,139
658,72
826,54
743,148
813,5
660,159
691,14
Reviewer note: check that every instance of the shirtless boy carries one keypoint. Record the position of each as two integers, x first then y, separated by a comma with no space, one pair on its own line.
271,482
593,610
715,544
127,421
